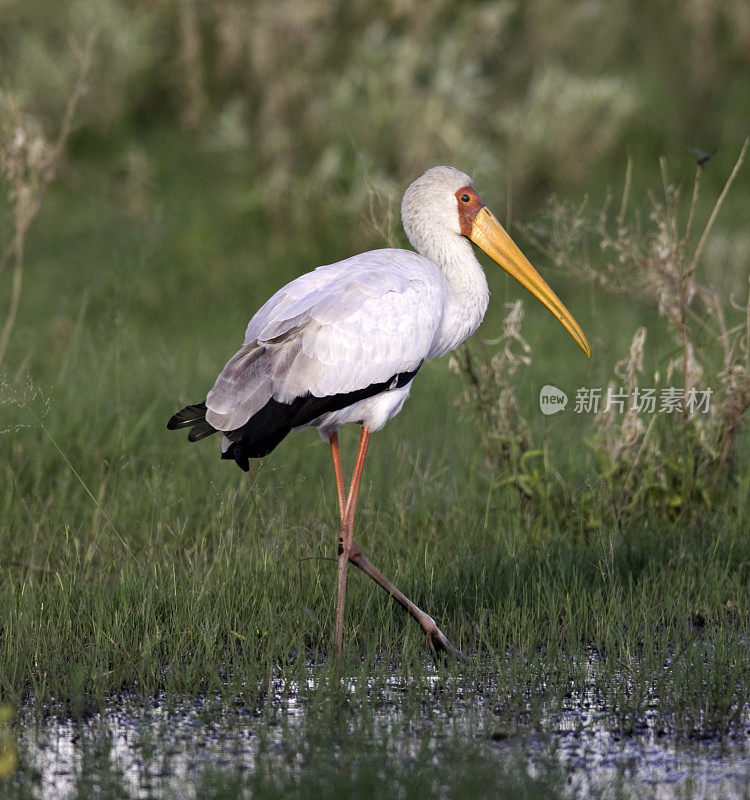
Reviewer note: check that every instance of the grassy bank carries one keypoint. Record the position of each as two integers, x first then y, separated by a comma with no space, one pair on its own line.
166,620
134,561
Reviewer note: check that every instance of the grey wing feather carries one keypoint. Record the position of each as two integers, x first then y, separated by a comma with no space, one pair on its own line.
337,329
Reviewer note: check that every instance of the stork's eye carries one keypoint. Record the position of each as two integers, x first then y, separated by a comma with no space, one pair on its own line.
465,198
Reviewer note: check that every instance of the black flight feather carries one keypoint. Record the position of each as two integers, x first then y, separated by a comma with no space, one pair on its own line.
267,427
187,417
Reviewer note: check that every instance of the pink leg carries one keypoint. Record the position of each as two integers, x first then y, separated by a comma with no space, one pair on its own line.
338,472
439,644
345,530
349,550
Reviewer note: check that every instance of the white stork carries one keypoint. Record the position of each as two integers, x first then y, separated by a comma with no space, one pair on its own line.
344,342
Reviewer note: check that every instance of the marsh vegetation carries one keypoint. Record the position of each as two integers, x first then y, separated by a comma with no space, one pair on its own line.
159,183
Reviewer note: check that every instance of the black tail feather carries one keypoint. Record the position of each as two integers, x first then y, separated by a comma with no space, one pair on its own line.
188,416
193,417
200,430
267,427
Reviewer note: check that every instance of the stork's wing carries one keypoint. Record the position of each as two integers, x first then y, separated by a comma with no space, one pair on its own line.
333,331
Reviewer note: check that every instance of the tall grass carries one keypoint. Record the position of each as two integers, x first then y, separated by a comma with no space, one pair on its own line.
311,94
668,441
28,164
130,561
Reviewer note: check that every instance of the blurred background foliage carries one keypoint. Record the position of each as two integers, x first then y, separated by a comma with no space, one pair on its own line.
535,97
222,148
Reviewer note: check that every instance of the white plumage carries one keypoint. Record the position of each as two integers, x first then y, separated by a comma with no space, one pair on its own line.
338,329
343,343
361,321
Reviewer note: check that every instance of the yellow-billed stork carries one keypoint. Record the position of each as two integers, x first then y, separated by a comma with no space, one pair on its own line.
343,343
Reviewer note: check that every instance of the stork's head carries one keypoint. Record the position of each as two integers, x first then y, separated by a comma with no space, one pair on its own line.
442,204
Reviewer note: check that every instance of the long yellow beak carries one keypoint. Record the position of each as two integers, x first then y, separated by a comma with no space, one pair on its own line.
489,234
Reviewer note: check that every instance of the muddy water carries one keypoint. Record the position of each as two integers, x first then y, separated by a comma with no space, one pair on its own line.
164,749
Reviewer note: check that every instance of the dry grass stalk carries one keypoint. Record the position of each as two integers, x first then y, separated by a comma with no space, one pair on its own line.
191,67
490,393
735,380
28,164
620,438
381,216
657,259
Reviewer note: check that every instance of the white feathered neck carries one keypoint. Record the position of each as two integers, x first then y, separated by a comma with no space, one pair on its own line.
429,213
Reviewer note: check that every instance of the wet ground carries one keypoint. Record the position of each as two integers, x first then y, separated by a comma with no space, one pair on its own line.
200,747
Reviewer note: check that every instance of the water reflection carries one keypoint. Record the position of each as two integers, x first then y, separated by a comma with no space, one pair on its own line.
162,748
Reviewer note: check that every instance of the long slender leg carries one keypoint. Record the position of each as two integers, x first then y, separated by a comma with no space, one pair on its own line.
338,472
359,464
435,637
345,538
438,642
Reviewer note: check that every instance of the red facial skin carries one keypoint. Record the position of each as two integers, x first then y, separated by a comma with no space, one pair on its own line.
468,209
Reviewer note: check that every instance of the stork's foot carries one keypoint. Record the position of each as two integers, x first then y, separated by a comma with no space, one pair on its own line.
441,649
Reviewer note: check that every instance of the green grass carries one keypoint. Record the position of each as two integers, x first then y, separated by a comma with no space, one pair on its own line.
139,570
133,562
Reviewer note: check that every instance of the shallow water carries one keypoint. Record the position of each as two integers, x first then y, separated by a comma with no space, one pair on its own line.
200,747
